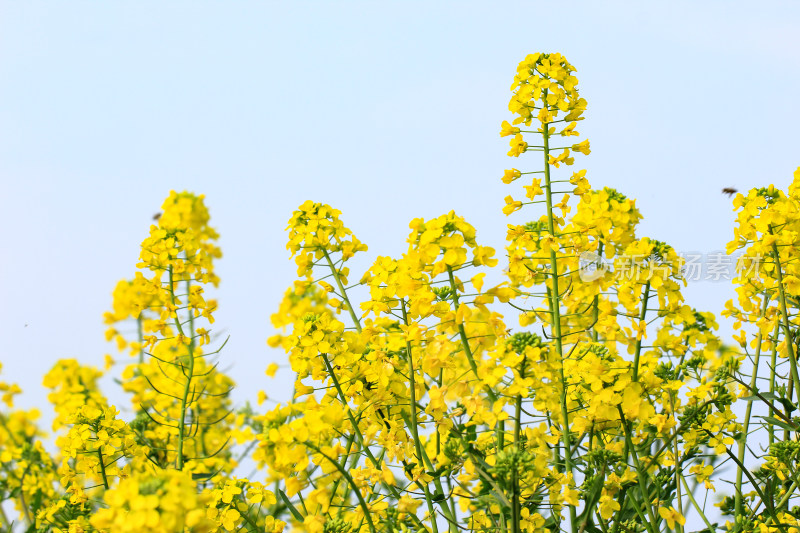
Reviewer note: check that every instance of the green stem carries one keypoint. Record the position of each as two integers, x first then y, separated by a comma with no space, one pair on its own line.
249,520
557,447
436,480
773,362
638,350
342,290
140,330
102,468
782,502
345,456
349,478
786,326
556,317
414,428
23,503
337,385
767,502
357,430
463,335
188,372
462,332
678,465
596,305
696,506
640,473
648,524
518,407
4,520
515,503
747,414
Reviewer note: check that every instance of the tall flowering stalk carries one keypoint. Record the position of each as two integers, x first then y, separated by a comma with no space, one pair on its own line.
580,394
184,413
621,426
768,300
420,408
171,467
182,398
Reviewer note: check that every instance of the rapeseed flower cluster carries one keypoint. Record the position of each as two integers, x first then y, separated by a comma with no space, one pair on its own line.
765,314
579,393
169,467
423,393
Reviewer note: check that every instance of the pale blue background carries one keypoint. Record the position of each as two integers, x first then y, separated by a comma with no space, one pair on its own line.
387,111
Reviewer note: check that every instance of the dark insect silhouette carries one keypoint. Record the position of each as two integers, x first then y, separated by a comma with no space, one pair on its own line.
730,191
156,216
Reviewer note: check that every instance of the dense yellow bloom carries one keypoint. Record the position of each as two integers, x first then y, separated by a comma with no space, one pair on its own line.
570,389
162,503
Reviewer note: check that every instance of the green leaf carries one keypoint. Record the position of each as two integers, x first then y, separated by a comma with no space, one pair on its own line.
754,398
780,423
788,405
292,509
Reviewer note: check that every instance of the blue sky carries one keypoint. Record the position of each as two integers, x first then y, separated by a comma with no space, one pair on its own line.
387,111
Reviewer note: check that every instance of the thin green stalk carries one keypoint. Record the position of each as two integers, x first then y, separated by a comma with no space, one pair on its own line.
23,503
786,325
342,290
102,468
515,504
414,428
678,474
188,371
696,506
349,478
463,335
249,520
462,332
518,408
638,349
640,474
767,502
773,362
782,502
191,317
140,331
747,414
650,525
343,399
618,515
557,448
340,392
596,305
451,518
556,317
345,456
356,429
452,504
